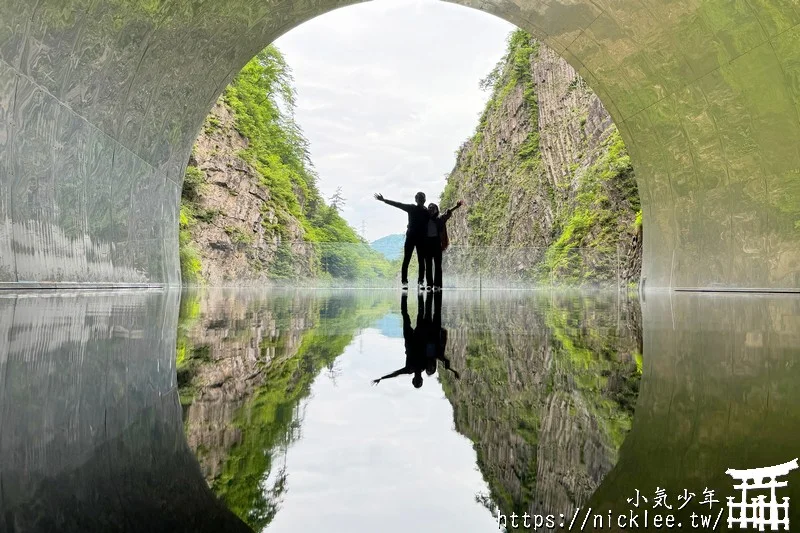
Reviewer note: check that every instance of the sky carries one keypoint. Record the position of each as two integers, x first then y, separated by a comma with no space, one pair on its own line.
387,91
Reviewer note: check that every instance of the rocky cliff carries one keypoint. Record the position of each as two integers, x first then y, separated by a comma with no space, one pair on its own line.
546,170
251,211
235,226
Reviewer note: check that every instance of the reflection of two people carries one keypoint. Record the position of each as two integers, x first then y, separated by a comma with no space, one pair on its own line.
425,344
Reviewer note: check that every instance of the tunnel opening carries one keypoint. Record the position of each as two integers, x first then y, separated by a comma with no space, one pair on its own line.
548,184
100,103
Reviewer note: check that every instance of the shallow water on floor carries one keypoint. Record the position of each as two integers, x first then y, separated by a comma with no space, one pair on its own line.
228,410
382,409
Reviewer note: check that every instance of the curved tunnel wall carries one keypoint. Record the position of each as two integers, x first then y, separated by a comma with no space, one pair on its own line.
100,101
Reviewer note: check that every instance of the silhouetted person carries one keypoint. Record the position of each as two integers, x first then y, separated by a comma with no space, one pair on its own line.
436,242
434,336
425,344
418,217
415,359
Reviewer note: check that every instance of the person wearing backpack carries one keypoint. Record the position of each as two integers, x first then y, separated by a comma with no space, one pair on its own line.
437,242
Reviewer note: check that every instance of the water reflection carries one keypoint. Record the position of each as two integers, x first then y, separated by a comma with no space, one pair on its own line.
90,426
266,419
719,391
357,456
547,395
426,344
547,380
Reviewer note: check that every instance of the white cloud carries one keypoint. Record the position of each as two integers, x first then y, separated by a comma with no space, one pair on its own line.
387,92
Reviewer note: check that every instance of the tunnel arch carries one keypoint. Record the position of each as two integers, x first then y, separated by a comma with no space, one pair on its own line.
100,101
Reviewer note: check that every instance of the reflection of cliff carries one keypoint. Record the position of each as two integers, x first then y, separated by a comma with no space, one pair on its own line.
229,342
248,362
546,396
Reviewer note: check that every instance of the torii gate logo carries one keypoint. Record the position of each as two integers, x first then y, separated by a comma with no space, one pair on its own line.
758,512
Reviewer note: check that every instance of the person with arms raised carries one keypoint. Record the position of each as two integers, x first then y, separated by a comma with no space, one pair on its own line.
436,242
425,344
418,216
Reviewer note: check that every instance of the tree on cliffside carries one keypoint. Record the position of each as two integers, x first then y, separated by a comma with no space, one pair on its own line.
337,200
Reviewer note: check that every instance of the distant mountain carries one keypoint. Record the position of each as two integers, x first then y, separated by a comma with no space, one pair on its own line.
390,246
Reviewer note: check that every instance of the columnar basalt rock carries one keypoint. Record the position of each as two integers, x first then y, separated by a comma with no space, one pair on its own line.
546,411
545,173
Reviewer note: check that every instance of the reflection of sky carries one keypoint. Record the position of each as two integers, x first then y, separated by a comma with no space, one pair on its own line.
386,93
380,458
391,325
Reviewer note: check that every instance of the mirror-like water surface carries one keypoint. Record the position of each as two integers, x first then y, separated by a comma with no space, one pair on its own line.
260,411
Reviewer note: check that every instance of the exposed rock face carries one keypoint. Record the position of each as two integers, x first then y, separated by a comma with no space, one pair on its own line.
546,396
547,170
237,229
239,342
572,121
246,360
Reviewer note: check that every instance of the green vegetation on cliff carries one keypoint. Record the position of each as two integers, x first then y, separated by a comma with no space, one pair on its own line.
555,179
261,99
487,217
593,220
250,483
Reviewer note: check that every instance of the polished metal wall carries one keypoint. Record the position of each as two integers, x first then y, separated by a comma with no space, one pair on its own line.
100,101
